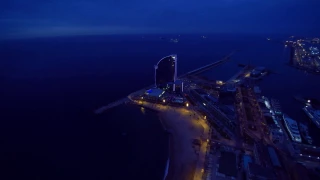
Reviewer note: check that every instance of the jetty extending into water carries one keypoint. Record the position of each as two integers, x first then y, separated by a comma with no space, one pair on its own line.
111,105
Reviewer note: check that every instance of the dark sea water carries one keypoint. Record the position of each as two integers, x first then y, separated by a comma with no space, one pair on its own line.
51,86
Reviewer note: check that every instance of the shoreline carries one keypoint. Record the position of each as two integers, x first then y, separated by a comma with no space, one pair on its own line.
168,168
185,158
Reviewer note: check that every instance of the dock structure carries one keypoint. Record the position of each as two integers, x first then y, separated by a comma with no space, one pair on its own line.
208,67
118,102
239,74
111,105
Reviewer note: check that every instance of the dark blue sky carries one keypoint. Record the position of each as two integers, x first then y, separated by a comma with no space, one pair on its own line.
28,18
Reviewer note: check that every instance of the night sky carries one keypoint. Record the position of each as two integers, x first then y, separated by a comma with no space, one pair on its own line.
31,18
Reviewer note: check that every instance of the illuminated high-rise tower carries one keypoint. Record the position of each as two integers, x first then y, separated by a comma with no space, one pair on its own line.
166,71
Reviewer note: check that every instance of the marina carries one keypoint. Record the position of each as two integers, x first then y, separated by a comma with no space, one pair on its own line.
304,131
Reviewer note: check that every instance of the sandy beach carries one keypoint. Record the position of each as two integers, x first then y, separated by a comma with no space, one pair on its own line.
186,158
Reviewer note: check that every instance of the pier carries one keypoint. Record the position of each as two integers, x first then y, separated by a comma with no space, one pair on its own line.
111,105
208,67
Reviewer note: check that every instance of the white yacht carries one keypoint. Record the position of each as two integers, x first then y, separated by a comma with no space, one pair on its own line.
305,132
292,128
313,114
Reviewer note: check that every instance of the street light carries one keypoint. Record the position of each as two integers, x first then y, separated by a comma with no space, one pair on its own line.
164,100
187,104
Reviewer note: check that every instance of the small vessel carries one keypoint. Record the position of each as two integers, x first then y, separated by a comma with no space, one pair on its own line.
174,40
292,128
266,102
305,132
276,106
313,114
258,72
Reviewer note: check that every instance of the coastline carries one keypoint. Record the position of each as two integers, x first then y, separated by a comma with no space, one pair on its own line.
168,169
184,157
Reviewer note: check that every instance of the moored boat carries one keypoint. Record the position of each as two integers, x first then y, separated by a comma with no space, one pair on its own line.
292,128
305,133
313,114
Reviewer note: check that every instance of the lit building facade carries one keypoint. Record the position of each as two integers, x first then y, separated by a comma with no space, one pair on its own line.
179,86
314,51
166,72
153,94
315,40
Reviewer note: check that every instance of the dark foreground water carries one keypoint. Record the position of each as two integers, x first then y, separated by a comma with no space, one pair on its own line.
50,87
48,131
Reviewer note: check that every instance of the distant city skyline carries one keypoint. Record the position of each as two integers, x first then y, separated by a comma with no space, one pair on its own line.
37,18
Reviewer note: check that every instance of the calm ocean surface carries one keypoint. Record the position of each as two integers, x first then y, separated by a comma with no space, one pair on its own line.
51,87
